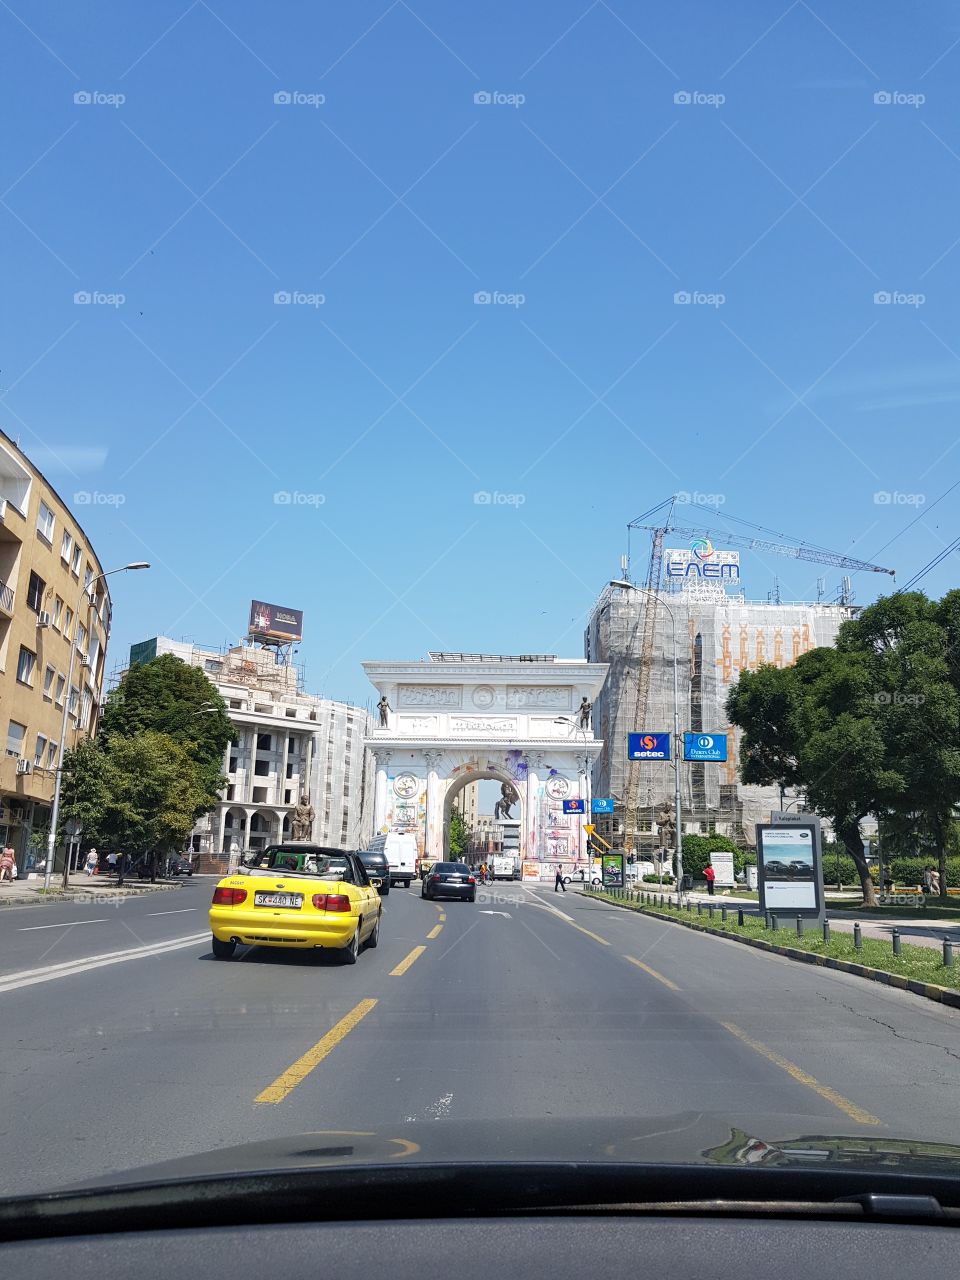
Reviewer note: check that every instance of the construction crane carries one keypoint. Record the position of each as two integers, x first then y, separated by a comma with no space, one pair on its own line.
797,549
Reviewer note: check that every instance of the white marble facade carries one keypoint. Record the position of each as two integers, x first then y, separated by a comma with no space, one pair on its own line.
452,722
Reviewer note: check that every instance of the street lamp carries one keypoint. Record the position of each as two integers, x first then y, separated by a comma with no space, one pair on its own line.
579,728
677,741
61,750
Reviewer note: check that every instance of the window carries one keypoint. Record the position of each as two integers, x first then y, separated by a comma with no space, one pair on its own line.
45,522
67,624
259,795
292,713
286,797
81,637
48,681
57,612
25,665
85,703
58,692
65,547
233,765
264,742
289,770
262,768
16,732
87,578
74,700
35,592
291,744
52,748
75,562
230,793
39,750
235,704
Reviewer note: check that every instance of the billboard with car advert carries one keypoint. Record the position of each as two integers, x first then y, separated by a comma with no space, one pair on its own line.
611,870
788,863
275,622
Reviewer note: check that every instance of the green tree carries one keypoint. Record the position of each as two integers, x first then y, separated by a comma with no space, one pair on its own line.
458,836
169,696
154,791
697,851
84,790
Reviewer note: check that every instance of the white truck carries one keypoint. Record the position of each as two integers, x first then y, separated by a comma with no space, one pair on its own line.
505,866
400,848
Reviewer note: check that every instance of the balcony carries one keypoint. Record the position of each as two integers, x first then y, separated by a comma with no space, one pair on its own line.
6,599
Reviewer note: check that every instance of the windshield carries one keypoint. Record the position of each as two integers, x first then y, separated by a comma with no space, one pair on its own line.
514,449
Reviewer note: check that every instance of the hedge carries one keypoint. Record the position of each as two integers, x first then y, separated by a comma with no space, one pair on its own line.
909,871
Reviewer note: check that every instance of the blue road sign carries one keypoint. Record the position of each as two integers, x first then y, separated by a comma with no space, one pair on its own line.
648,746
705,746
600,804
574,806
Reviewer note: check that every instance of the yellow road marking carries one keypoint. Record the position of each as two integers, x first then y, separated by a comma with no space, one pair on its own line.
803,1077
442,916
290,1078
435,931
653,973
405,964
595,936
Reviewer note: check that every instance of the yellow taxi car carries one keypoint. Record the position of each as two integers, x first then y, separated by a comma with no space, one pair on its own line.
297,895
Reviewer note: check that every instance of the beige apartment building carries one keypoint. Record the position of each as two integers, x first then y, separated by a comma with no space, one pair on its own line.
46,568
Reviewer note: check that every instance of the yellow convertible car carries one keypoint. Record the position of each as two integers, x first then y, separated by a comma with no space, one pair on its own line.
297,895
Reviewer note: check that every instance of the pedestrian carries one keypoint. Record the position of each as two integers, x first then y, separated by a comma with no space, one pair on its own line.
558,882
927,879
111,862
709,875
8,861
90,866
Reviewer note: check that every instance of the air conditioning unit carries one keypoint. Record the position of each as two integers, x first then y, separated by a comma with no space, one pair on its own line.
23,766
84,659
43,619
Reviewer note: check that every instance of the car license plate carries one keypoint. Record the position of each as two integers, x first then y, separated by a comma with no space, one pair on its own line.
292,900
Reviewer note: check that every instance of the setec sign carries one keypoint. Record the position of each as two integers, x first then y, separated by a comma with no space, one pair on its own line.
705,746
574,806
648,746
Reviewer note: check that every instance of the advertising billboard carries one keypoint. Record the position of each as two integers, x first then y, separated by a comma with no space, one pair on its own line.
788,862
722,862
648,746
275,622
705,746
574,806
611,870
702,562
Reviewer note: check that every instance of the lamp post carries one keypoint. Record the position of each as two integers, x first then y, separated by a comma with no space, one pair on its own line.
677,741
61,750
578,728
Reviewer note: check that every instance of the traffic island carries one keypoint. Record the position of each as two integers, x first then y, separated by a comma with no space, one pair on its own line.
24,893
920,970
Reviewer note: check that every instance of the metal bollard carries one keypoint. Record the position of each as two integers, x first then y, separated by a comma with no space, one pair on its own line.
699,908
947,954
710,909
723,913
774,922
857,936
826,930
740,915
799,926
895,940
661,900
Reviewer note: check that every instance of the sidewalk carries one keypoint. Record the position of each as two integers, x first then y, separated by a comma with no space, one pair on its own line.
81,888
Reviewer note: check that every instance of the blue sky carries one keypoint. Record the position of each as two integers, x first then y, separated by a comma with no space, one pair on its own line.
777,192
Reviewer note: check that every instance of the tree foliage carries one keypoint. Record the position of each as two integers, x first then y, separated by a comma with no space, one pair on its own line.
458,835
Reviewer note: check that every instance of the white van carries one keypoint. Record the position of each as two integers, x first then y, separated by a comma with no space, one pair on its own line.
400,848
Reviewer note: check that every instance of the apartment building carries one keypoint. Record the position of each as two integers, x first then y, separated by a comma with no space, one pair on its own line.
49,599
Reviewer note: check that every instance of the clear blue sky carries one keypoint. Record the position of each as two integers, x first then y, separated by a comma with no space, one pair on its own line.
598,197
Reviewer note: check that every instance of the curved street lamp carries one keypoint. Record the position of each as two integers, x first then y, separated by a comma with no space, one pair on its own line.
677,740
61,749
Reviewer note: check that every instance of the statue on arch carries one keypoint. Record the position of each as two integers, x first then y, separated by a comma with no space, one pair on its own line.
584,712
508,798
301,824
383,706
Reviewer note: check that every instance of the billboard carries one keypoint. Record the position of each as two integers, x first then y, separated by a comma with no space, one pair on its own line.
611,870
705,746
648,746
788,860
702,562
275,622
145,651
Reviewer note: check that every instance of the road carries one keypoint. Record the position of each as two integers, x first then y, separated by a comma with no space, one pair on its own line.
525,1004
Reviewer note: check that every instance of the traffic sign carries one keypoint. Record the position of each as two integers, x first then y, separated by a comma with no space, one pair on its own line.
574,806
600,804
648,746
705,746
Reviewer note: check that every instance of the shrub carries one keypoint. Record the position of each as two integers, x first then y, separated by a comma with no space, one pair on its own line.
697,850
909,871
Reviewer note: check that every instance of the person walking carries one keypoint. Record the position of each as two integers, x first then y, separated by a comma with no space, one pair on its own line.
709,875
558,882
90,866
111,862
8,860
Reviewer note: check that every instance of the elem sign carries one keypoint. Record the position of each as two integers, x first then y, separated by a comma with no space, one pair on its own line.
705,746
648,746
574,806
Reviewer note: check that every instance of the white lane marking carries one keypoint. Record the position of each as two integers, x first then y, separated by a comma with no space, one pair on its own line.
547,906
496,913
34,928
30,977
441,1107
179,912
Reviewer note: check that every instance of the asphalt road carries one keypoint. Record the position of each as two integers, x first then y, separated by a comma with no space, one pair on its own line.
142,1048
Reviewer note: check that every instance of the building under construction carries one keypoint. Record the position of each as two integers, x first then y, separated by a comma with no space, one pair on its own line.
694,589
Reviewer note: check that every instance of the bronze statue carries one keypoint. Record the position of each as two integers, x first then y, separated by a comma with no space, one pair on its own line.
301,825
508,798
584,713
383,706
667,826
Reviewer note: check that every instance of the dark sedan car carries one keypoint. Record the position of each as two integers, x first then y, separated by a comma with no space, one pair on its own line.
378,870
450,880
179,867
